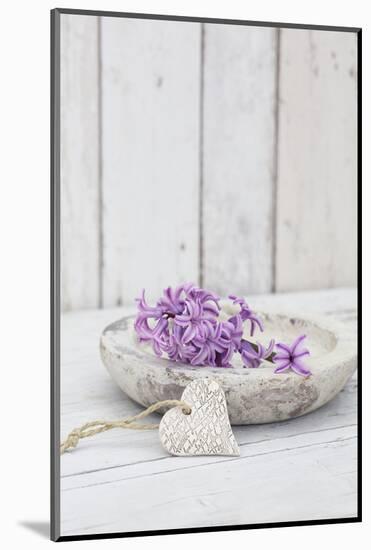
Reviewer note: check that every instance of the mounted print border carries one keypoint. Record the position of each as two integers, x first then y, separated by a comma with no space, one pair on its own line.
104,291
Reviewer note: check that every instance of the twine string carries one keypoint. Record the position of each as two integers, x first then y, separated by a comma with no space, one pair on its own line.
99,426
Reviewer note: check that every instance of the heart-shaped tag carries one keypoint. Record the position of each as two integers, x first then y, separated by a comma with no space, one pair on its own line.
206,430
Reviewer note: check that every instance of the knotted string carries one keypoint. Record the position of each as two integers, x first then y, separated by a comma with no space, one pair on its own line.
98,426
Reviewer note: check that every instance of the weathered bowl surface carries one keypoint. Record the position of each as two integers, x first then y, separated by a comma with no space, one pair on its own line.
253,396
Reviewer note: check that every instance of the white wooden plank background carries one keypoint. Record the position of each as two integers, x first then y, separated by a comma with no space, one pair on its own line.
190,177
317,162
238,157
303,468
150,124
79,163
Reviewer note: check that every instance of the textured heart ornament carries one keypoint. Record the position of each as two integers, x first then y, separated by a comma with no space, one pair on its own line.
206,430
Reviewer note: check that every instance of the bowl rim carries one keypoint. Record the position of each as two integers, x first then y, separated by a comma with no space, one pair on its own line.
344,350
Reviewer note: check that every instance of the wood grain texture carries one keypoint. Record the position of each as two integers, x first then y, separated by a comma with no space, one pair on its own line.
168,159
317,160
79,163
238,158
248,489
150,125
122,480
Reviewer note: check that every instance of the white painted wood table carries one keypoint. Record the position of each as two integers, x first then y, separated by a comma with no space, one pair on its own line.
122,480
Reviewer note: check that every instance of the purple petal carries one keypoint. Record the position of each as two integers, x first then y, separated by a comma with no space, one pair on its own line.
182,321
160,327
284,367
255,321
301,354
200,357
269,349
283,347
296,343
301,369
218,347
189,333
156,348
249,354
281,362
281,357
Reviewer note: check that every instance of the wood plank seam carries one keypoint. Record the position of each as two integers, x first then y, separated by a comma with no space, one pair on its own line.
275,162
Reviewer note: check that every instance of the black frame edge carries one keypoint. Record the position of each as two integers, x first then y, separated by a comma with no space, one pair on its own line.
359,269
195,19
68,538
55,275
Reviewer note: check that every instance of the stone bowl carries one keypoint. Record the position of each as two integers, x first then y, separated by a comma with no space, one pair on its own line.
253,396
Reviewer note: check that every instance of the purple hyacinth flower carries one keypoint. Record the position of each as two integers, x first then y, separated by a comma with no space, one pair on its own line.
172,302
291,357
175,349
208,300
177,319
209,342
230,335
252,357
184,324
234,330
146,312
247,314
192,320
